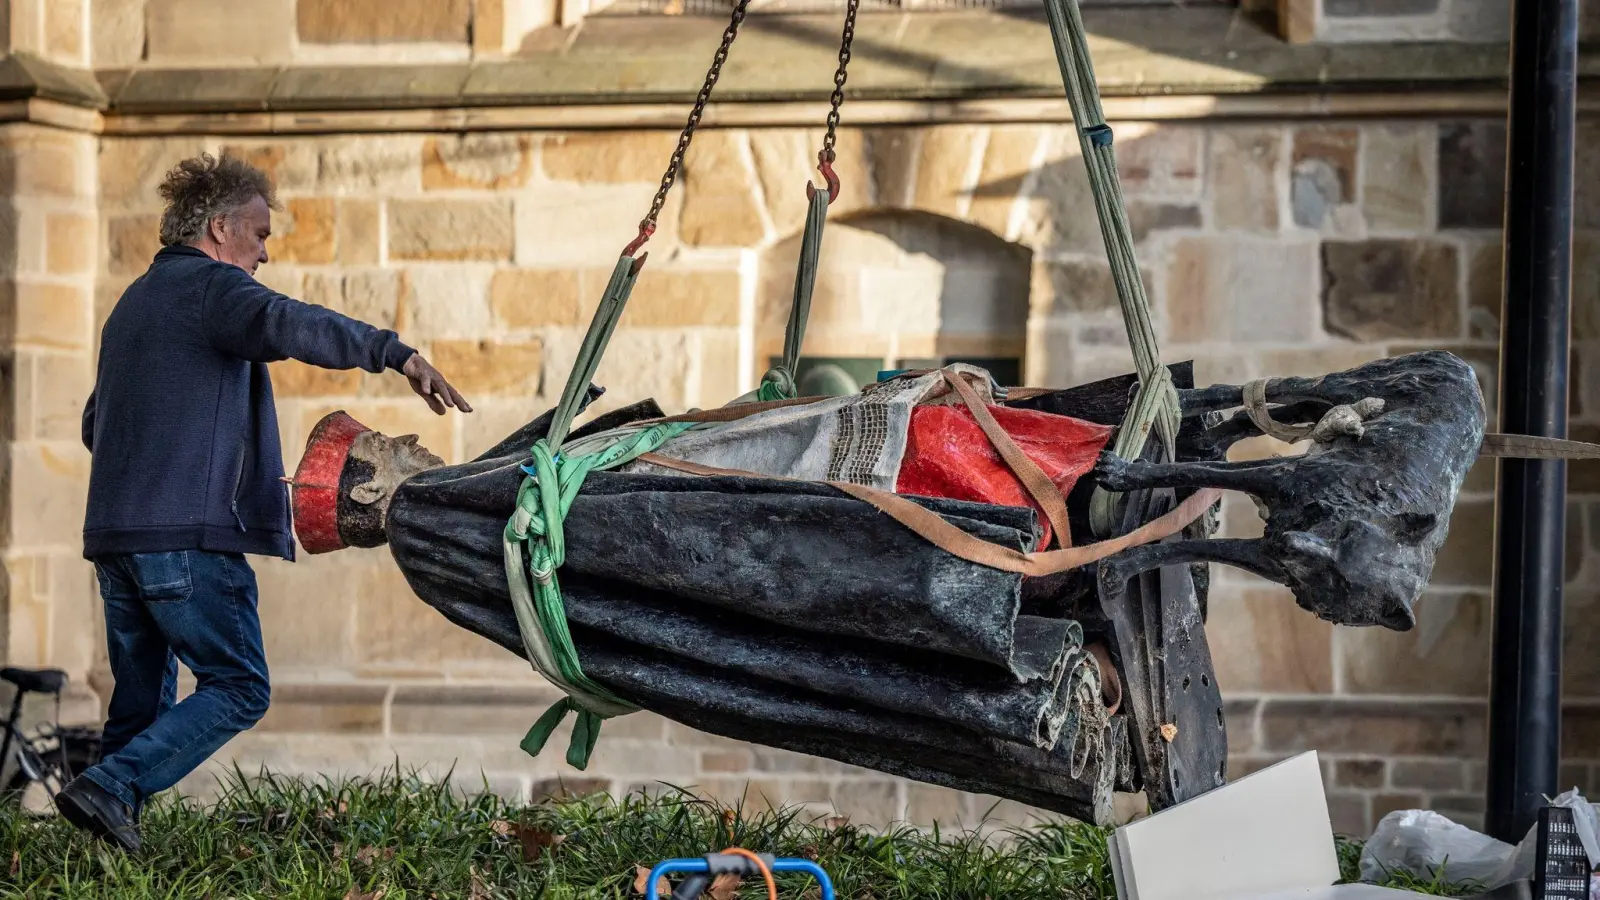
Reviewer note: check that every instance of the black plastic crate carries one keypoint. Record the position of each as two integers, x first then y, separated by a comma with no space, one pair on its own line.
1561,865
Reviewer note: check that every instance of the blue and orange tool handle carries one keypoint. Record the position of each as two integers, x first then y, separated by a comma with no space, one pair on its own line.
712,865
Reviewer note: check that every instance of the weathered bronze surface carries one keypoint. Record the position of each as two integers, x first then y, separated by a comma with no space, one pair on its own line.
789,615
1352,526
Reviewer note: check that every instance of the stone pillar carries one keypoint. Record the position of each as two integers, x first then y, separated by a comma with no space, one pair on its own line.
500,26
56,30
1297,20
116,32
49,611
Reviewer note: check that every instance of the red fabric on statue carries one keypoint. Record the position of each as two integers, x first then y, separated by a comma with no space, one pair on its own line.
948,455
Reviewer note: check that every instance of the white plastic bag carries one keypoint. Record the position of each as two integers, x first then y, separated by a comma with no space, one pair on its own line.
1421,842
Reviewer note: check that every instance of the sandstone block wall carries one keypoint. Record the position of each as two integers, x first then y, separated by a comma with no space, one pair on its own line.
57,30
187,33
49,608
1269,249
117,33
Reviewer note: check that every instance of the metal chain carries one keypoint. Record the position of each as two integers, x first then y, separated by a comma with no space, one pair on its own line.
676,162
839,79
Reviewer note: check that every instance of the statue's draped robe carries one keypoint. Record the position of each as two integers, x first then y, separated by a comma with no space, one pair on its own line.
789,615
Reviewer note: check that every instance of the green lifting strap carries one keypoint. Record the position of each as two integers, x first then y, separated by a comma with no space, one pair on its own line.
542,503
552,483
554,479
544,499
779,382
1156,404
604,324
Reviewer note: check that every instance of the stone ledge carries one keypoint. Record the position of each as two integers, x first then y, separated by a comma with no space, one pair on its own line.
862,114
929,58
898,56
326,708
27,77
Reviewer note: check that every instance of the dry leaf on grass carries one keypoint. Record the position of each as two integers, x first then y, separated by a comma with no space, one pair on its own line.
358,894
501,827
366,856
534,840
480,890
724,887
16,862
642,877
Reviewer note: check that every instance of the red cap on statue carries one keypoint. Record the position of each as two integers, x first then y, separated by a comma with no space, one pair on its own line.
315,487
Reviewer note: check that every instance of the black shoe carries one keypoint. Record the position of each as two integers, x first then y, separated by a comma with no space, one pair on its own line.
92,808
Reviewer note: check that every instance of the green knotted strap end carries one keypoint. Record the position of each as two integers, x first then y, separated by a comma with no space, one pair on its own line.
777,384
585,733
539,734
770,392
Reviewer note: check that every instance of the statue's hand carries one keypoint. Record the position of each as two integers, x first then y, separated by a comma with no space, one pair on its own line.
431,386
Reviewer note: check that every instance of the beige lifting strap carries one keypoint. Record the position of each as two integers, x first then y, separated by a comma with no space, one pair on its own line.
934,529
1526,446
1345,420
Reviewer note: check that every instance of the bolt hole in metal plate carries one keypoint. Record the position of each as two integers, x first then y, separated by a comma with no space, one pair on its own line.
1165,662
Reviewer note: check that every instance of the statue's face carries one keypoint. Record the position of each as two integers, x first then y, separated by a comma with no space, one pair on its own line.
393,460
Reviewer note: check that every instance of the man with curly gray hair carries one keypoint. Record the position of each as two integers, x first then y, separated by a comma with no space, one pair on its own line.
187,479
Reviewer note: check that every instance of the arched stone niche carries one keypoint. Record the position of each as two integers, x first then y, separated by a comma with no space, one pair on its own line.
898,289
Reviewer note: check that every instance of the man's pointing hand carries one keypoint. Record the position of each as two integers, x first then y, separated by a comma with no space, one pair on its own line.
432,387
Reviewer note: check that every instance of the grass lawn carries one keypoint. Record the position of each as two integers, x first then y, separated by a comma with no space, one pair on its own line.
399,838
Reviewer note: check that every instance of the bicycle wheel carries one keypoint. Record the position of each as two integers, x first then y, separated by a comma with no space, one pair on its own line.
81,749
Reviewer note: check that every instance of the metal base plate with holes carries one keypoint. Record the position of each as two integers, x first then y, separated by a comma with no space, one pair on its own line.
1170,692
1561,865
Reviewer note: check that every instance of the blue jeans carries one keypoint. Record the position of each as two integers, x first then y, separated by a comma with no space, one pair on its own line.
161,608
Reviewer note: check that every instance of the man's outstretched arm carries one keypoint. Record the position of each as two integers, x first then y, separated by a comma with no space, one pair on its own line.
250,321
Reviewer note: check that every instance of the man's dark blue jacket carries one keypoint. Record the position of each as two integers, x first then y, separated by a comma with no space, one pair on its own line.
181,424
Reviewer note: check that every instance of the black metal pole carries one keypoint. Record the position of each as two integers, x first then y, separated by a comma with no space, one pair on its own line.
1525,688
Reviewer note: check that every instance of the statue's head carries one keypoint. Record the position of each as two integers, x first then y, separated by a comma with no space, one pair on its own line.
346,480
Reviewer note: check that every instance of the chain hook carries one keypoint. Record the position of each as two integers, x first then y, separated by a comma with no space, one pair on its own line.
646,229
826,157
825,166
648,226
